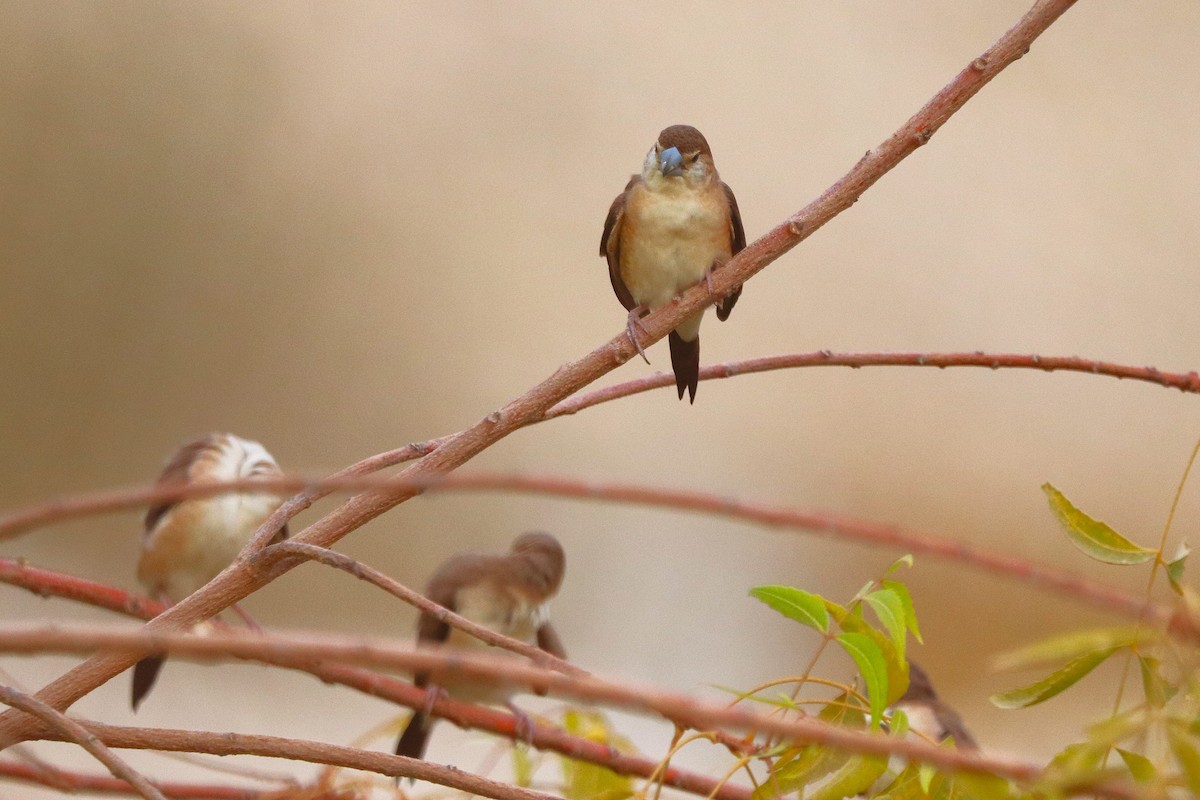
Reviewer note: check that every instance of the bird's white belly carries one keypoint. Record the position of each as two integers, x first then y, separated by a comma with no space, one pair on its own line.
218,533
512,617
679,238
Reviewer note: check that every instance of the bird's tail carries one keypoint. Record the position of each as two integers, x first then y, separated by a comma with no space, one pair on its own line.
412,742
145,673
685,361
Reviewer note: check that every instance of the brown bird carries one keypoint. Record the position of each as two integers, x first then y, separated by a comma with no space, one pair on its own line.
929,715
187,542
506,593
674,224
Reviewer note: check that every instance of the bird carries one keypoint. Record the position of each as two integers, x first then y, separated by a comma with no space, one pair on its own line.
929,715
672,225
507,593
187,542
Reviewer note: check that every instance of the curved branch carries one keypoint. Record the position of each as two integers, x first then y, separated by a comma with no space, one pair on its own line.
76,782
1183,381
240,580
71,731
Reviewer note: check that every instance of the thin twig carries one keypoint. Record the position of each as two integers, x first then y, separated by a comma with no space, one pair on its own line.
76,782
240,580
444,665
71,731
441,613
1183,381
227,744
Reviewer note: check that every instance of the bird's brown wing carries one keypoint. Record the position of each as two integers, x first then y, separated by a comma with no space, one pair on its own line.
547,639
177,471
610,245
737,243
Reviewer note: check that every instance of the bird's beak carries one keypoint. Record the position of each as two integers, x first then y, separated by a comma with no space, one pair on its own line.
670,162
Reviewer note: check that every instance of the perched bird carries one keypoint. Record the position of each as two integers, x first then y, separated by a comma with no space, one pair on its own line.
187,542
673,224
929,715
507,593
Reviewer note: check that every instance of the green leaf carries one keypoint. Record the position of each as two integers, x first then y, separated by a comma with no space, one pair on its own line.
1079,757
802,766
982,787
897,667
804,607
1092,536
889,608
910,613
1140,767
522,766
898,723
856,775
925,774
1052,684
1072,645
1186,755
586,781
1175,567
1153,685
902,561
872,666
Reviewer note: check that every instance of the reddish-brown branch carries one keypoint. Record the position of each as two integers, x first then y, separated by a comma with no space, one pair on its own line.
228,744
845,528
1183,381
71,731
444,665
241,579
77,782
395,690
393,587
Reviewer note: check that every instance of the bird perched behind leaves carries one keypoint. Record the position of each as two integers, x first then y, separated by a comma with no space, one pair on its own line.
929,715
674,224
507,593
187,542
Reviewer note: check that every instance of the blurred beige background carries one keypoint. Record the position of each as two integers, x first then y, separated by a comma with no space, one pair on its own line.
338,228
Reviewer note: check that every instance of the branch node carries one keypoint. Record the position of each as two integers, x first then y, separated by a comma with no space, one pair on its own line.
980,63
795,227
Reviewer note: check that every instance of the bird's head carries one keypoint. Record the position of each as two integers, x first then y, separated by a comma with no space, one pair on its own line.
682,153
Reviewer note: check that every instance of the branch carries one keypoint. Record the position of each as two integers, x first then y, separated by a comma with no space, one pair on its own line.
1183,381
71,731
394,690
76,782
227,744
445,665
441,613
241,579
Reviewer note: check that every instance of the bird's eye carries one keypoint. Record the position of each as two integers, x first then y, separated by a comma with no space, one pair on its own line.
691,159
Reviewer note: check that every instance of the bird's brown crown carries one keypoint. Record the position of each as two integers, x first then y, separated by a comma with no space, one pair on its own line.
544,551
684,138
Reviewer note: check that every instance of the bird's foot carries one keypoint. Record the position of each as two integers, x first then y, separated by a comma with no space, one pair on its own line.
524,724
433,693
634,320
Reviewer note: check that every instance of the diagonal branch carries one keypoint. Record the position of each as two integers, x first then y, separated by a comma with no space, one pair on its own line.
441,613
71,731
238,581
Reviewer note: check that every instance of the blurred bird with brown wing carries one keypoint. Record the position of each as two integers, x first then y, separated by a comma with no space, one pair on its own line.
507,593
674,224
187,542
929,715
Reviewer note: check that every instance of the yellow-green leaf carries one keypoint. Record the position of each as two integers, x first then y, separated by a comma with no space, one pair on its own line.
1153,685
1052,684
1187,756
910,613
872,666
889,608
1072,645
902,561
856,775
1175,567
587,781
897,667
522,766
1140,767
898,724
1092,536
804,607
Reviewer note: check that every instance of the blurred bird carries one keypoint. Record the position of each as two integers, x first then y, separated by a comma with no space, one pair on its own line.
507,593
673,225
187,542
929,715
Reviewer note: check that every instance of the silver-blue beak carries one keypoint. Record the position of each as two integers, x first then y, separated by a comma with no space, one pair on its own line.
670,162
